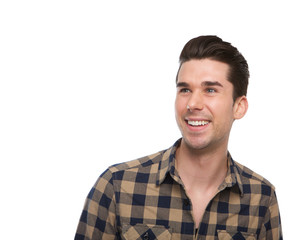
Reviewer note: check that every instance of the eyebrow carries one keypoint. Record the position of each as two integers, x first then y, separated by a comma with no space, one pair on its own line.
182,84
203,84
211,83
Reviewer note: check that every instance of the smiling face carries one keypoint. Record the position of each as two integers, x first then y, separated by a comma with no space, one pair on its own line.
204,105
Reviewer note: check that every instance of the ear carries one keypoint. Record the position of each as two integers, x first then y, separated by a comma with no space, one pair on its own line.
240,107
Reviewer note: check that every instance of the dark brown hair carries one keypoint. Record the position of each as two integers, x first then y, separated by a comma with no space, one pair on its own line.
214,48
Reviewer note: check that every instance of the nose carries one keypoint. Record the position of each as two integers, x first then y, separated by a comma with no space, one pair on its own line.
195,102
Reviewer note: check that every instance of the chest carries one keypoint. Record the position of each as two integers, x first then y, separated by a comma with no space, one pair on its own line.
199,201
169,209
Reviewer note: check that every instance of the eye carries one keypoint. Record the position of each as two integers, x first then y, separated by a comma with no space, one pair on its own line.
210,90
185,90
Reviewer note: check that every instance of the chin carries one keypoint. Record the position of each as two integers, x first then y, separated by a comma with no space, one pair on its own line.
195,144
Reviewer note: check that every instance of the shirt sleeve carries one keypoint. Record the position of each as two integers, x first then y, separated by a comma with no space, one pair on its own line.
272,229
98,218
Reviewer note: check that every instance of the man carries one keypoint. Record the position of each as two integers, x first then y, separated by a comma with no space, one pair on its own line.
193,190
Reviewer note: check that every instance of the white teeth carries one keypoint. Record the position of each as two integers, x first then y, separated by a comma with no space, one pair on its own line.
197,123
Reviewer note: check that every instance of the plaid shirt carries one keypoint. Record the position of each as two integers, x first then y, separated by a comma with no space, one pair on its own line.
145,199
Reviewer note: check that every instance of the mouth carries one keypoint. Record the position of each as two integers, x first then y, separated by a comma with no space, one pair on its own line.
197,123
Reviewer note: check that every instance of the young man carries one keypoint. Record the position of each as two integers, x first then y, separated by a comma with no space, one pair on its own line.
193,190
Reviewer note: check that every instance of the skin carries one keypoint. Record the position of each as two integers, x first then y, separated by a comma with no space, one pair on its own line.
201,159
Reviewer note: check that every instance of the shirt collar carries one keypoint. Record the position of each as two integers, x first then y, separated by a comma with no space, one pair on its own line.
233,176
167,166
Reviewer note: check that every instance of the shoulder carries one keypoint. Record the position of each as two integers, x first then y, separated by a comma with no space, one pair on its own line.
148,164
142,162
147,161
253,182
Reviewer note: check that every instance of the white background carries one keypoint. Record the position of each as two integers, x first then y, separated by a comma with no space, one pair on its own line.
86,84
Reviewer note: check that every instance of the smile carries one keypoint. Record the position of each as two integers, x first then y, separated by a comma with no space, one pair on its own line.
197,123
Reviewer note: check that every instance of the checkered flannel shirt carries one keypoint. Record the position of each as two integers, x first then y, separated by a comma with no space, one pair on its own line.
145,199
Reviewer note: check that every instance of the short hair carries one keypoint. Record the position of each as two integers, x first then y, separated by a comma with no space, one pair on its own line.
214,48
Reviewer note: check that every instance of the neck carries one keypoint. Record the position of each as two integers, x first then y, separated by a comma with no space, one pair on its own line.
205,167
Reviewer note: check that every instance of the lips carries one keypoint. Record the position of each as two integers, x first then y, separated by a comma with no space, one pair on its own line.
197,123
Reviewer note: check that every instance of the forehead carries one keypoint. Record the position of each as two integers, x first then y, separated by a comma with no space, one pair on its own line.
204,70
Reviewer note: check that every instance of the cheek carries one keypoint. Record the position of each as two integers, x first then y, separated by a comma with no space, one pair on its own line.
223,110
179,106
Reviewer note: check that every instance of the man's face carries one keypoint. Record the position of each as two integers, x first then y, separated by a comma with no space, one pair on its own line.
204,104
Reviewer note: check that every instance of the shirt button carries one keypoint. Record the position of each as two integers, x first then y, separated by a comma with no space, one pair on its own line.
146,236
